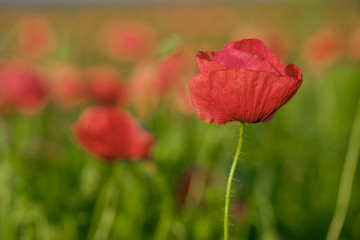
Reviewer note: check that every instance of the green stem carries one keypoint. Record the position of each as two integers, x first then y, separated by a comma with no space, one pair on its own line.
166,216
229,183
104,212
347,179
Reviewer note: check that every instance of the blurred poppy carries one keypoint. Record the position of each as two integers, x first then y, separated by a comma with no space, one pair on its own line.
112,134
243,82
354,44
68,88
127,40
323,48
141,88
22,87
35,36
240,211
190,188
171,76
183,100
104,86
276,39
171,71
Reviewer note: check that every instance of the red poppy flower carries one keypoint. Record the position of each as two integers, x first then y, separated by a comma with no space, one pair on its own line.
323,48
183,100
170,81
127,40
110,133
67,87
22,87
143,98
243,82
277,40
171,71
354,44
105,87
35,36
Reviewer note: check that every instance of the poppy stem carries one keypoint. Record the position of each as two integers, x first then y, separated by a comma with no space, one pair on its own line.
229,182
104,212
347,179
166,217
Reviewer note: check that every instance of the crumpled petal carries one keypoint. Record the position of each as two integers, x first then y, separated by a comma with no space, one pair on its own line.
205,62
244,60
293,71
240,95
257,47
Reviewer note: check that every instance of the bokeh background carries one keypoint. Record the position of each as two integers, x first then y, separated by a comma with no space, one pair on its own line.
288,177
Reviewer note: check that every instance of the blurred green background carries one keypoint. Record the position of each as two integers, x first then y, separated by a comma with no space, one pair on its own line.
288,177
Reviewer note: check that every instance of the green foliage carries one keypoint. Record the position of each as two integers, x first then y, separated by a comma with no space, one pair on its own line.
286,181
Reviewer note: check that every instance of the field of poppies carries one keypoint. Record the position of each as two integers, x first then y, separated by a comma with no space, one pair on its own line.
105,133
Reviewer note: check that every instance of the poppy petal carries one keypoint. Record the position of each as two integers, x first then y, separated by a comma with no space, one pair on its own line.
205,62
293,71
257,47
240,95
244,60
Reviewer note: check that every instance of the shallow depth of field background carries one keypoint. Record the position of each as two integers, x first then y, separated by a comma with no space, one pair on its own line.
287,180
